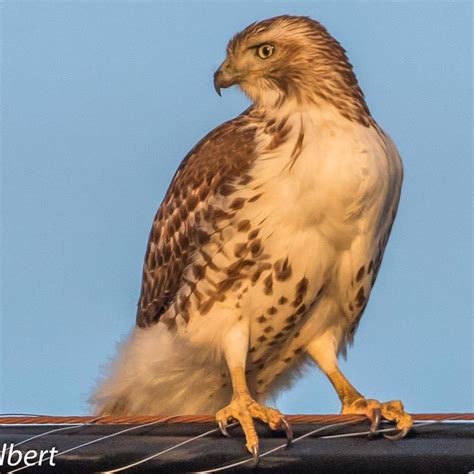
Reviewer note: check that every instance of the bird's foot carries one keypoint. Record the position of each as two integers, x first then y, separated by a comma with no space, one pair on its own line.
375,411
243,408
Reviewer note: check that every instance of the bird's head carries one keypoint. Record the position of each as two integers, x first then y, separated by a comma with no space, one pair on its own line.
288,57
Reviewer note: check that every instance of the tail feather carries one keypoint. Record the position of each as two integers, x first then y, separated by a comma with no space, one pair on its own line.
156,375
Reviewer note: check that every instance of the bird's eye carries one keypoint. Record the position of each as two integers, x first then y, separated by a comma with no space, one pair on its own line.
265,51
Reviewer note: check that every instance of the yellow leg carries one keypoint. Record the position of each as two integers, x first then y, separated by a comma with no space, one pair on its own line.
353,403
243,407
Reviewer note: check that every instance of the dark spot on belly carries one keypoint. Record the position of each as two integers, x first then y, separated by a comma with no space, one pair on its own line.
277,336
282,269
262,339
240,317
243,226
262,319
237,203
240,250
282,300
272,343
254,198
272,310
291,319
268,284
360,273
260,381
268,329
302,286
360,297
298,300
298,351
252,349
256,247
253,234
286,360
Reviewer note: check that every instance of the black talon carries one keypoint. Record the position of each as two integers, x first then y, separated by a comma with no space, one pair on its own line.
288,432
255,455
401,434
377,415
223,429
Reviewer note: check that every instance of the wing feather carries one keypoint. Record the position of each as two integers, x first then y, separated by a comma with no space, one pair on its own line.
212,167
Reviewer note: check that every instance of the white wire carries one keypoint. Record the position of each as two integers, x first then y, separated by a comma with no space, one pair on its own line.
47,433
74,448
363,433
141,461
266,453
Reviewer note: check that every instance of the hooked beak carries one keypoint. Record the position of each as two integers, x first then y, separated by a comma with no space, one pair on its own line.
223,78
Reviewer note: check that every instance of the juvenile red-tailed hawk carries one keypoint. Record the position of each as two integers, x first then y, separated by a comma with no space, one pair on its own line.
267,244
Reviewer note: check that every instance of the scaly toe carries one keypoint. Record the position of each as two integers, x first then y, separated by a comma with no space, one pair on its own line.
375,411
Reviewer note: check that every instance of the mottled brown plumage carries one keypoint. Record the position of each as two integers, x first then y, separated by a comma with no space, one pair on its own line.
213,167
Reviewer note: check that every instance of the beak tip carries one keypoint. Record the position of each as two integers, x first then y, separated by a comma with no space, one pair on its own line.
217,85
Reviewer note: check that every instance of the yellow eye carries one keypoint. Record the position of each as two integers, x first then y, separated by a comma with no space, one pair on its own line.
265,51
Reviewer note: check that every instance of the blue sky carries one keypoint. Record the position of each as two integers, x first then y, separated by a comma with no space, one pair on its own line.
101,101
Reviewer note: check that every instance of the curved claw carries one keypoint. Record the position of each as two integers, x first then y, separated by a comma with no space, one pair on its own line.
255,455
223,429
288,431
401,434
376,417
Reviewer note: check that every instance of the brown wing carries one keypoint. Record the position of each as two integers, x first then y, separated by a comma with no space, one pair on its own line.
212,167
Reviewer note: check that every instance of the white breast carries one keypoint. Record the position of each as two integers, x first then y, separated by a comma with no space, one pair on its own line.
342,172
335,194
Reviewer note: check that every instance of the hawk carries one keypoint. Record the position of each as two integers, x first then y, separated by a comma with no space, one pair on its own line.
267,244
